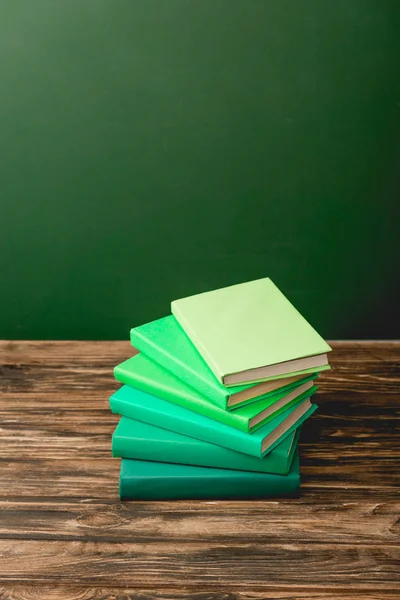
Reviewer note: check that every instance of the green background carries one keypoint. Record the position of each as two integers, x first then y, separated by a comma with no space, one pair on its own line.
152,149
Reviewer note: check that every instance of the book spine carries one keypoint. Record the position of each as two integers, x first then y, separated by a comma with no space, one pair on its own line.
203,408
213,432
118,447
179,369
201,349
237,485
148,450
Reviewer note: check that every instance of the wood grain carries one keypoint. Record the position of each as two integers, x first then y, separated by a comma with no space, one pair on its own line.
78,592
242,564
65,534
362,523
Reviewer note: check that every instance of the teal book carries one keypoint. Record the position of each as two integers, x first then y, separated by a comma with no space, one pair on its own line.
249,332
135,404
166,344
142,480
142,373
141,441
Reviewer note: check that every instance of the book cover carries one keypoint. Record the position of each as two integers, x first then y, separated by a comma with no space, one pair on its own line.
245,332
142,480
142,373
135,404
141,441
166,344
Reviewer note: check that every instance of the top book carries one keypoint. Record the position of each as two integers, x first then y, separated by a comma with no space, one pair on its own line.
249,332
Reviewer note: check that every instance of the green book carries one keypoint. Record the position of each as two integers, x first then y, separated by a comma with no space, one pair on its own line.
250,331
142,480
135,404
142,373
134,439
165,343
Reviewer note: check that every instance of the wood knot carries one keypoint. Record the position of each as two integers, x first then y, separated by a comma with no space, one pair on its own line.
101,519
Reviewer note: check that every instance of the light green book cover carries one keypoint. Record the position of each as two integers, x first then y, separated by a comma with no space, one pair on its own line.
142,373
165,343
245,332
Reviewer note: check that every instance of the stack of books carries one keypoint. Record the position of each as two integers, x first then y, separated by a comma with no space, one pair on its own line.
213,404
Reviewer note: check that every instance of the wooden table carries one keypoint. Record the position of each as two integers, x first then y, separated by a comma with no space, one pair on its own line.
65,534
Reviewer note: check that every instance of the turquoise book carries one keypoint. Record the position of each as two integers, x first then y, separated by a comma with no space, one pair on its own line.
141,441
249,332
142,373
166,344
142,480
133,403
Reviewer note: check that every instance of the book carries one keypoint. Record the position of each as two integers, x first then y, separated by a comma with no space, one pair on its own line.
135,404
142,373
250,331
143,480
134,439
166,344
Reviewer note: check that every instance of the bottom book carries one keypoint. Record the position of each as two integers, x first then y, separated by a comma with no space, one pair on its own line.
144,480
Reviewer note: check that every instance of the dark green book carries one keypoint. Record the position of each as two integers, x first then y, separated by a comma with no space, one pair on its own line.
134,439
143,480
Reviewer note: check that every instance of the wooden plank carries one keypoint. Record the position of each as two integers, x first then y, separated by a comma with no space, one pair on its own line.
264,522
61,353
35,591
372,434
165,563
82,368
97,478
